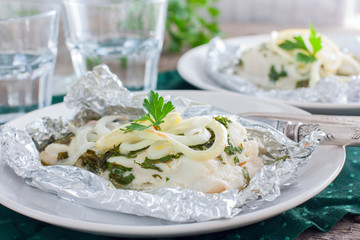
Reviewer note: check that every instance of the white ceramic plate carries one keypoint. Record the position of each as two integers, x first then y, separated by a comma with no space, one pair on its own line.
321,170
190,67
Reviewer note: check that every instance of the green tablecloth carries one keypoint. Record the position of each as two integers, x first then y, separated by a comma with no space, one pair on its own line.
321,212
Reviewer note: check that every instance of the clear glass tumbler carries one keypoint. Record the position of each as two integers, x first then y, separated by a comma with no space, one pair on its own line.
126,35
28,48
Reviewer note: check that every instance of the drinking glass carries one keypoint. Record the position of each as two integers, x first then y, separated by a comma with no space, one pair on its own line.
28,48
126,35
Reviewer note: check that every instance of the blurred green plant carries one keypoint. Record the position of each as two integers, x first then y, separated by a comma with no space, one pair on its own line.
25,13
191,23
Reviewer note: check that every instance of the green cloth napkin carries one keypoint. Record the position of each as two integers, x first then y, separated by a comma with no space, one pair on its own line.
322,211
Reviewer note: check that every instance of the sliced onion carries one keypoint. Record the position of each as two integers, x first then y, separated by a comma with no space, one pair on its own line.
215,150
192,139
51,152
127,147
116,137
101,125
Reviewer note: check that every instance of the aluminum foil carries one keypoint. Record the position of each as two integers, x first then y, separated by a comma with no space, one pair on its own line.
173,204
221,63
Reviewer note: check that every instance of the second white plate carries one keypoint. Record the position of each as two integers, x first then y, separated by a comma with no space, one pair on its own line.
190,67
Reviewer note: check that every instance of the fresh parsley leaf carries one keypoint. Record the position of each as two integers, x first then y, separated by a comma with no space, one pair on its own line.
302,57
275,75
307,56
315,41
288,45
144,117
157,111
297,44
300,42
135,127
156,108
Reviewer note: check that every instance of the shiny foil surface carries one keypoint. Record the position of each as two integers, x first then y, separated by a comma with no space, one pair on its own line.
19,150
221,63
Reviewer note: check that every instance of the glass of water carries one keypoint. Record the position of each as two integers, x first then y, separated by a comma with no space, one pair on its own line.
28,48
126,35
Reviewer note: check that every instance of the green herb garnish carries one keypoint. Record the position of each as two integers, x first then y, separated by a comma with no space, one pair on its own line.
157,111
62,156
120,174
220,159
66,139
247,178
236,160
297,44
284,158
315,41
223,120
274,75
307,56
92,161
150,163
246,174
302,83
156,176
115,152
231,149
191,23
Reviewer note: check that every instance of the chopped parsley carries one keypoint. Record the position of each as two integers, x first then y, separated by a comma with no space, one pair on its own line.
66,139
220,159
156,176
275,75
231,149
94,162
150,163
120,174
302,83
62,156
223,120
246,175
247,178
115,152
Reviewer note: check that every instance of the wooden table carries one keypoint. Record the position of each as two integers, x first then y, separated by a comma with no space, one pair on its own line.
349,226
